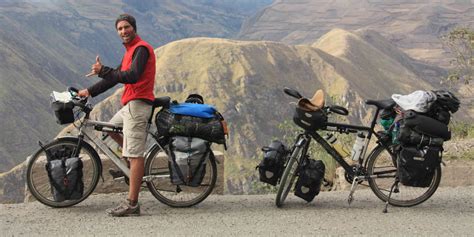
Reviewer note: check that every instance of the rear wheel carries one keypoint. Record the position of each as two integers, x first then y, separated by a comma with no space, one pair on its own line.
156,168
382,169
37,178
289,175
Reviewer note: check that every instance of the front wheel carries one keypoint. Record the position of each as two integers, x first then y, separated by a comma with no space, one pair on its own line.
39,183
289,175
382,170
156,169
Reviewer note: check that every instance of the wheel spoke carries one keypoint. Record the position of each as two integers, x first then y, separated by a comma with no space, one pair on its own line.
382,172
37,176
177,195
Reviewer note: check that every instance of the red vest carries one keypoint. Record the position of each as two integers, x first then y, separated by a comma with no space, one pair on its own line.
143,88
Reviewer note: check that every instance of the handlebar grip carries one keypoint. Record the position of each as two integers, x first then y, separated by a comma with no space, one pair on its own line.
292,93
73,91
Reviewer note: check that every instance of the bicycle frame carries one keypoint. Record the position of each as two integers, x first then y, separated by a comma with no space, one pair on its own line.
86,130
348,128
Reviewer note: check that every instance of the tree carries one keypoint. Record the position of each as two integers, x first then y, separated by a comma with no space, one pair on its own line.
460,43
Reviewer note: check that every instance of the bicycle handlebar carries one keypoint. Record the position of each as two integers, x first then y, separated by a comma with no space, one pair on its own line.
78,101
338,110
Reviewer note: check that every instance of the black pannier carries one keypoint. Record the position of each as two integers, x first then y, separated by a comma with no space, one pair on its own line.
272,165
310,179
63,112
210,129
65,177
417,167
408,136
187,160
64,173
426,125
310,120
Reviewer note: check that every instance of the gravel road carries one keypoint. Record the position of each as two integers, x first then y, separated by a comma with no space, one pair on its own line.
450,212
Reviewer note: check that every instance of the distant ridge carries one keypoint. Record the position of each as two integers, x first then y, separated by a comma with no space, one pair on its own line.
413,26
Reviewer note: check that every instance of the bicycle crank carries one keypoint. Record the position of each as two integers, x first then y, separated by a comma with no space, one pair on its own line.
350,178
355,182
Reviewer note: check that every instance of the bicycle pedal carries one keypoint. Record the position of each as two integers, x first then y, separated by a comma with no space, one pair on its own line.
350,199
116,174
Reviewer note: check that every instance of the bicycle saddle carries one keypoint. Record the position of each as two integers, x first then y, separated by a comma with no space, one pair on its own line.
381,104
313,104
163,101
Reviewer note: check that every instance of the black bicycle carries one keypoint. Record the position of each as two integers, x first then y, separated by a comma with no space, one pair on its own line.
379,168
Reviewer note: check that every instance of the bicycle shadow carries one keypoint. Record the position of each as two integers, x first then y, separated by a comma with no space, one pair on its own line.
235,204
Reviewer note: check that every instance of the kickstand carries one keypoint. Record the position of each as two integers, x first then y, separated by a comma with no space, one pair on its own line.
355,182
389,196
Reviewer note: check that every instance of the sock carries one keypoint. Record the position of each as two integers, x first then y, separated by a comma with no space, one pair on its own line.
132,202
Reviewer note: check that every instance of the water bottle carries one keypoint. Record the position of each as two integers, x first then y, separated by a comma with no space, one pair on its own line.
332,140
358,147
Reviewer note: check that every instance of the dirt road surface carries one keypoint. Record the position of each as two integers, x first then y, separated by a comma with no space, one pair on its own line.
450,212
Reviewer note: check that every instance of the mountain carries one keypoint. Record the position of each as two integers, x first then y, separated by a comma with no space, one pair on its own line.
47,45
413,26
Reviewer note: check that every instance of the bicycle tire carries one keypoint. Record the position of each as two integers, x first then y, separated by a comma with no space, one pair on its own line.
177,195
380,161
289,175
37,179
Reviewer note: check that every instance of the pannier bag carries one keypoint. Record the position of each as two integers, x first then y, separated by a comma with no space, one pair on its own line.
417,167
310,179
203,121
187,160
271,167
426,125
408,136
64,173
65,177
310,120
63,112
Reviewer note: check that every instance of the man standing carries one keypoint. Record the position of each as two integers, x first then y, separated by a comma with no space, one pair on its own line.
137,73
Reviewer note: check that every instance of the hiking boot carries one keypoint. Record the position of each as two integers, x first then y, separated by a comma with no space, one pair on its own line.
116,173
124,209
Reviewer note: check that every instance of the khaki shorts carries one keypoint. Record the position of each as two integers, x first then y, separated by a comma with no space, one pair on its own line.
134,118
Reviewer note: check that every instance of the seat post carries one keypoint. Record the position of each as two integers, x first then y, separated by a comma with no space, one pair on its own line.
374,122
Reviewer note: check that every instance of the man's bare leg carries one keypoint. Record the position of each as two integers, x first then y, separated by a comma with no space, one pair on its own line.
137,169
117,138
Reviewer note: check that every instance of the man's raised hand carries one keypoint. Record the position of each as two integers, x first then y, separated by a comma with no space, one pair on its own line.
95,68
